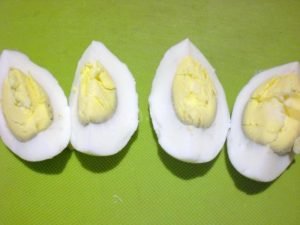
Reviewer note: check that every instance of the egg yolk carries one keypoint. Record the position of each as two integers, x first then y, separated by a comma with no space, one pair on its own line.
194,94
25,105
97,98
272,114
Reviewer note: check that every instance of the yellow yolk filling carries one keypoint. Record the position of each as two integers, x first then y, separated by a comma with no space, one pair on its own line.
25,105
194,94
97,98
272,115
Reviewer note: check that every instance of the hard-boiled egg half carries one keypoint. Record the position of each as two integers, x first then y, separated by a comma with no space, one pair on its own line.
103,103
34,118
188,105
265,130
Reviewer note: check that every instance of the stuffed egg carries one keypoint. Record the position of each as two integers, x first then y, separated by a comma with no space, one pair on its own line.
265,130
103,103
188,105
34,117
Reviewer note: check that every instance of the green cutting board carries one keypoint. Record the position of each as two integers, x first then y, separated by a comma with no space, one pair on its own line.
142,184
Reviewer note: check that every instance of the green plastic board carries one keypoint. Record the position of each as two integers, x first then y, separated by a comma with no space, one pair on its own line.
142,184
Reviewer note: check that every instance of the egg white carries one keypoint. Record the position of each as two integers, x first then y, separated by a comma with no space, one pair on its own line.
185,142
50,142
109,137
256,161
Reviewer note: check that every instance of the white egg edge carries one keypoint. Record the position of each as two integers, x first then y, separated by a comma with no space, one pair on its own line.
197,145
255,161
55,138
111,136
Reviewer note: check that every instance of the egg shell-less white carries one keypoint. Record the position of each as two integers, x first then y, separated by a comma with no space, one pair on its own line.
50,142
256,161
109,137
185,142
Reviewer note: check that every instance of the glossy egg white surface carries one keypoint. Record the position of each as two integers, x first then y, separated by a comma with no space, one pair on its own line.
256,161
186,142
112,135
47,143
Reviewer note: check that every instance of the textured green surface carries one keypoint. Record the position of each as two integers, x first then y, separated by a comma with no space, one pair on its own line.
143,185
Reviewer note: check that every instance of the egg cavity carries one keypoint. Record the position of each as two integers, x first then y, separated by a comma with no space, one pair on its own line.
194,94
25,105
97,98
272,115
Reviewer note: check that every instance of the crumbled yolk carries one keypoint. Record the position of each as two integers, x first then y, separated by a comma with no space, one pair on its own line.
272,114
194,94
25,105
97,98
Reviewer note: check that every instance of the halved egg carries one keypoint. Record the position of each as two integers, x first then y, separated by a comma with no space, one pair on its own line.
34,117
103,103
265,123
188,105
